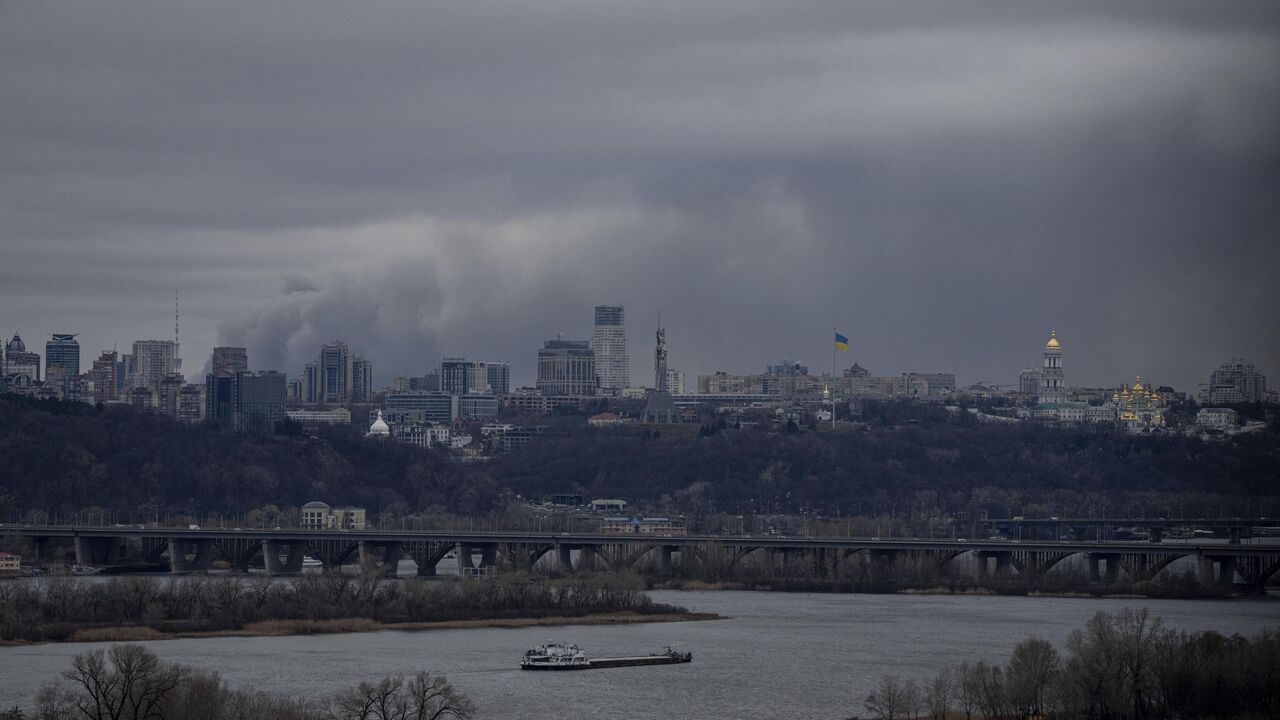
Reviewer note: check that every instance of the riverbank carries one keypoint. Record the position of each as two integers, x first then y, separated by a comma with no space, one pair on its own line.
1147,591
282,628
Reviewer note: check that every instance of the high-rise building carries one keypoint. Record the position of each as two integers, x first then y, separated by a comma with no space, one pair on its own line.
498,374
1235,381
609,344
1051,374
103,377
338,377
459,376
456,375
220,399
310,383
171,393
124,374
1029,381
62,352
566,367
152,361
361,380
229,360
259,400
191,403
675,381
334,373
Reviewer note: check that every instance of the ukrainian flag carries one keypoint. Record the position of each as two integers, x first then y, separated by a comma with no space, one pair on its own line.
842,343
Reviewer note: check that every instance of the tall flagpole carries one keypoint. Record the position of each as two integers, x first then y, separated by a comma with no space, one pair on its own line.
833,378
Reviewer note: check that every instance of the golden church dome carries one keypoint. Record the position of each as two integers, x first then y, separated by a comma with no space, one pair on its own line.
1053,343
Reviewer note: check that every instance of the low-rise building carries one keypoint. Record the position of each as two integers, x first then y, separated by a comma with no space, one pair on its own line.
336,416
642,526
1218,418
609,505
605,419
320,516
10,564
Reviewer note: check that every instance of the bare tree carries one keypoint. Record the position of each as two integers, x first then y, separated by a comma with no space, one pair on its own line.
424,697
888,701
939,693
968,688
431,697
1032,667
128,682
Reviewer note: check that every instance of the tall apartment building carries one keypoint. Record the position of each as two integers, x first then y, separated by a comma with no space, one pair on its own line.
566,367
152,361
361,380
1235,381
338,376
103,377
609,344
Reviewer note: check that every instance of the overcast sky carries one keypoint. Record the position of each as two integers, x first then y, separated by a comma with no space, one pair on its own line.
944,182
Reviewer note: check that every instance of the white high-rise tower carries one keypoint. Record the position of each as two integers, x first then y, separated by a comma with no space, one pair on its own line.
609,344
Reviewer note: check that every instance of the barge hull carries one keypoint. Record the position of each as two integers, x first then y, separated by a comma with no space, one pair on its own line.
602,663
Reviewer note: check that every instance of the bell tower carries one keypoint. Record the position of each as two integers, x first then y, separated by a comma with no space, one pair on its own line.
1051,376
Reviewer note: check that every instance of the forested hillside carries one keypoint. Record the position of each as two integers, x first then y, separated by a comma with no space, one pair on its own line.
62,456
911,456
70,456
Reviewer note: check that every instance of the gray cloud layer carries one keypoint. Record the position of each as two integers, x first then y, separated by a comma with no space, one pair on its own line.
945,181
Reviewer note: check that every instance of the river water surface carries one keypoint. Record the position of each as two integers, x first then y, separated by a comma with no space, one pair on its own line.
777,655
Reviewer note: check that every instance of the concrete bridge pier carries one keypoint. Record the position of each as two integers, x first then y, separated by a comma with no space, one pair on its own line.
1003,563
1217,570
488,558
881,563
272,563
198,562
1097,569
564,558
664,559
387,563
95,550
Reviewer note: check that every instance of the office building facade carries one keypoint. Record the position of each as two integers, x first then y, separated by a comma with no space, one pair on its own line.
609,345
566,367
62,354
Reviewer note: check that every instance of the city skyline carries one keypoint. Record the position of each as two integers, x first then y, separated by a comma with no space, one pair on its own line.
382,379
945,186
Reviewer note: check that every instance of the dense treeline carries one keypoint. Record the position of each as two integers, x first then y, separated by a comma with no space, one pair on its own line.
69,456
908,459
64,608
1126,666
913,458
129,682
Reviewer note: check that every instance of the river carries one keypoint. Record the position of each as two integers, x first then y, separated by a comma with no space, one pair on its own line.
776,655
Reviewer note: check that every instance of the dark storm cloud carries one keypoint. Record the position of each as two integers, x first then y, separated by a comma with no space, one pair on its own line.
943,181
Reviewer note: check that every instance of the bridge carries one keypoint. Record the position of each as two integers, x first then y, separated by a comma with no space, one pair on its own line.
281,551
1235,529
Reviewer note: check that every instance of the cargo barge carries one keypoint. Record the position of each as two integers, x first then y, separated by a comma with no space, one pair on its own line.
559,656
